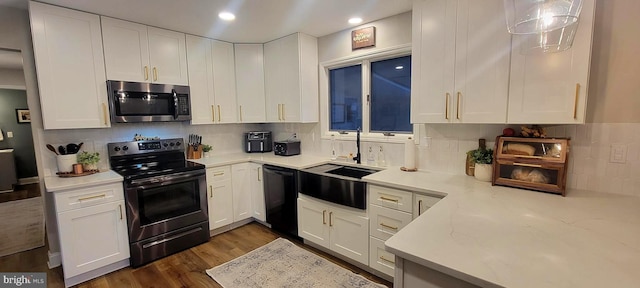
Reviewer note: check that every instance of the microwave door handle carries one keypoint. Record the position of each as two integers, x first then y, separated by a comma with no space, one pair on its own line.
175,103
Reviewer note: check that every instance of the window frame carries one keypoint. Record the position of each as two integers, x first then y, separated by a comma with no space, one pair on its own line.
364,60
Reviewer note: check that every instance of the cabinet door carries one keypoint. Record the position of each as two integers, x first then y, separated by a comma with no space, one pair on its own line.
272,83
552,88
167,56
349,235
220,202
67,46
422,203
93,237
482,63
249,61
126,50
241,192
200,79
224,81
282,78
313,222
433,60
257,192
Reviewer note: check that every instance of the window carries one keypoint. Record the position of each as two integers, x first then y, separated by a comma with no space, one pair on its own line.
373,95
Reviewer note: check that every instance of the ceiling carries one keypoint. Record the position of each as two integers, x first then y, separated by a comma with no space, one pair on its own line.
10,59
257,21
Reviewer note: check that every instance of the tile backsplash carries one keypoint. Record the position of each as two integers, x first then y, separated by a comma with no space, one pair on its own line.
443,147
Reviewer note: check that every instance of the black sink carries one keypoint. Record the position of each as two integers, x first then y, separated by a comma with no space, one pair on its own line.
352,172
335,183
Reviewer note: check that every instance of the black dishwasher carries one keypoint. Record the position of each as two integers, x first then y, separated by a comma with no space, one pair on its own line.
280,193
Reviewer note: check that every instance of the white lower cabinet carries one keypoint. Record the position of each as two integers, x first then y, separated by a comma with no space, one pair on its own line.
257,192
220,199
339,229
92,225
241,192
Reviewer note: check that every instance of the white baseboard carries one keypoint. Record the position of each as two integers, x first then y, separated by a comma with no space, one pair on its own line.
29,180
55,259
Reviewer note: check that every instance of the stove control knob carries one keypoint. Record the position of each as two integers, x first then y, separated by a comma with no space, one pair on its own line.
165,144
171,144
116,149
178,143
125,148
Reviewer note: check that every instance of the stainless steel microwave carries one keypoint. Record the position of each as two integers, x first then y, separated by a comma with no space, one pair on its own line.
146,102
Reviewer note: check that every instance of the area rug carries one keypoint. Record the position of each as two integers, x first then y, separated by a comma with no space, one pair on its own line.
283,264
21,225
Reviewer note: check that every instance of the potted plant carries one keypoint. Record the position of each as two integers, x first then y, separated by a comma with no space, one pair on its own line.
206,149
483,159
88,160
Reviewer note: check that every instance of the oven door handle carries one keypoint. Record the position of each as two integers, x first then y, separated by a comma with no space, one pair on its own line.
175,103
166,179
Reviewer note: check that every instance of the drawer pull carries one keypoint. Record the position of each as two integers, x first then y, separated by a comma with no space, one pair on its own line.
91,197
419,207
528,157
219,114
120,207
155,74
213,113
446,106
527,165
575,103
387,226
104,113
210,191
330,223
146,73
385,259
389,199
458,106
324,221
218,174
259,173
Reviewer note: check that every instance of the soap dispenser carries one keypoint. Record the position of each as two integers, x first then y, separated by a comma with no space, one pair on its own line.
371,157
382,162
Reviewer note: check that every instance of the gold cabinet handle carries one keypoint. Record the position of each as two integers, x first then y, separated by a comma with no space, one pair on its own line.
446,106
259,173
218,174
283,112
458,106
419,207
527,165
104,113
528,157
120,207
210,191
385,259
213,113
387,226
279,113
330,222
324,221
240,113
388,199
219,117
146,73
91,197
575,104
155,74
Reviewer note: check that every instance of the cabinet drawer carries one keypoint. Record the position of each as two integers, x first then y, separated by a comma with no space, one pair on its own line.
219,173
91,196
390,198
380,259
386,222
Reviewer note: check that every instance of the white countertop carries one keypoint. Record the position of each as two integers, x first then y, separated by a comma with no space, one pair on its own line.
56,183
294,162
497,236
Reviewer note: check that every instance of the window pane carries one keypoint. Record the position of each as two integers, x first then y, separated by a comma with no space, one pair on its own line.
345,95
391,95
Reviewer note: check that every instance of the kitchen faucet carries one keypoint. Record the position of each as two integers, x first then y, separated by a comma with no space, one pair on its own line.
358,158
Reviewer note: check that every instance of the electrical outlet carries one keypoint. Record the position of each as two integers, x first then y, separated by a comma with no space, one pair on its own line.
9,134
618,153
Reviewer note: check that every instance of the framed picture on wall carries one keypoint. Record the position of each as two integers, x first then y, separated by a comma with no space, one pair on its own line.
23,115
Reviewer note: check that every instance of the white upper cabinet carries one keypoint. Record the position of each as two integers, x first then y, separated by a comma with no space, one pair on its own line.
67,46
249,64
291,79
138,53
460,54
552,88
211,81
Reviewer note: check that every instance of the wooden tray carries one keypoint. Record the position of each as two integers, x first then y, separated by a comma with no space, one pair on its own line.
71,174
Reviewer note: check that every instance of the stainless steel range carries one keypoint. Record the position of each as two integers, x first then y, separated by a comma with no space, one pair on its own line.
165,195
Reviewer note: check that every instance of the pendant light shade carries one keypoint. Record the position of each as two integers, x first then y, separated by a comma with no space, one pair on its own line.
538,16
546,42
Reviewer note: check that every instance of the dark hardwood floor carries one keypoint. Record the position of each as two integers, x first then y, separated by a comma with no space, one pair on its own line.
184,269
21,192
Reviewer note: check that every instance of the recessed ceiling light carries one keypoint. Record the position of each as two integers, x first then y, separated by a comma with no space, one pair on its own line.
228,16
355,20
399,67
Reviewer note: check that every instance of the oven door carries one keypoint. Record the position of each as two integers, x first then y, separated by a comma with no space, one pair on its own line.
165,203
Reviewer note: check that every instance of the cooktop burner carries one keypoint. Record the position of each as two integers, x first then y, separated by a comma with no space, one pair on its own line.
144,159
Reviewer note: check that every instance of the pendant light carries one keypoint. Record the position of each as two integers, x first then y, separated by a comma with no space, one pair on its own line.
546,42
539,16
